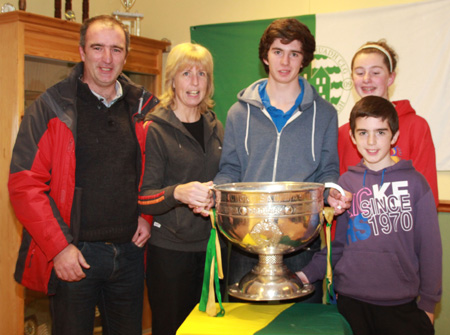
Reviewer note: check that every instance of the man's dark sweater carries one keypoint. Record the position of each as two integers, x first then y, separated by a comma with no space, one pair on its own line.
106,171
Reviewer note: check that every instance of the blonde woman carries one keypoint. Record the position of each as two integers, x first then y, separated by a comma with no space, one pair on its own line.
183,148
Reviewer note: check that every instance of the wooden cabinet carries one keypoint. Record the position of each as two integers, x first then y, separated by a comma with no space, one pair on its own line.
35,52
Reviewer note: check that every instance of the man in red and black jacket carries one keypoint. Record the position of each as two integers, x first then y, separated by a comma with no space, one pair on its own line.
74,181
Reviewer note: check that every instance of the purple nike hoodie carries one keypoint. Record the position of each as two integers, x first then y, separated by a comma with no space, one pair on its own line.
387,248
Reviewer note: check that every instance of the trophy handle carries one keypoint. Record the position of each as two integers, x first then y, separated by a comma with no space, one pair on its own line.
336,186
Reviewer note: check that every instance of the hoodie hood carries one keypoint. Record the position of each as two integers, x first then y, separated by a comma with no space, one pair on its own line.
366,172
168,118
361,168
251,96
403,107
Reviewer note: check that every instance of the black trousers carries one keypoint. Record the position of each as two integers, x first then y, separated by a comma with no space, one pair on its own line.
369,319
174,282
114,283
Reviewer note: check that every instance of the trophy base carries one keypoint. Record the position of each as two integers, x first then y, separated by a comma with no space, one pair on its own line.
271,283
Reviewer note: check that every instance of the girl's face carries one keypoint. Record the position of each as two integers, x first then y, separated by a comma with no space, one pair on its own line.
371,76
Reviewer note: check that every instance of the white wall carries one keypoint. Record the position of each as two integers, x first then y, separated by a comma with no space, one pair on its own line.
172,19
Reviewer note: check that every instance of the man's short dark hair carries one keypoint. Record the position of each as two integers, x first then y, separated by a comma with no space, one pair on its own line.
108,20
374,106
288,30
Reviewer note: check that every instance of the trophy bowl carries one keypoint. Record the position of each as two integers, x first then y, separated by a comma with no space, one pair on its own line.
270,219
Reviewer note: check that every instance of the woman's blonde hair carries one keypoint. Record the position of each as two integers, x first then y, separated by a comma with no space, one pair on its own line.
182,56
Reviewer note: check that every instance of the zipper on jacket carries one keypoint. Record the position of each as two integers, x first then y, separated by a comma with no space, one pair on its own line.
277,147
275,161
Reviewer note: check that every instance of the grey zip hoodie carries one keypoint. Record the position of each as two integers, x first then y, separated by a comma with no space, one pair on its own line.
304,150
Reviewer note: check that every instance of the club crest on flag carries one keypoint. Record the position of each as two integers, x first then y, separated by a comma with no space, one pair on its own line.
330,74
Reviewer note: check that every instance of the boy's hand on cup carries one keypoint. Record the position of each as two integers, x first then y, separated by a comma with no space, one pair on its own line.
338,201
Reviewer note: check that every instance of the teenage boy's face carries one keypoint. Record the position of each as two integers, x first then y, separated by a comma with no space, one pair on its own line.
284,61
373,139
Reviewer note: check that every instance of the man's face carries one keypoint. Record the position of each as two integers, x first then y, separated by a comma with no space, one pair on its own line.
284,61
104,56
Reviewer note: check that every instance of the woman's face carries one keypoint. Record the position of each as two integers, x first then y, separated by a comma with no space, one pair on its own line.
190,86
371,76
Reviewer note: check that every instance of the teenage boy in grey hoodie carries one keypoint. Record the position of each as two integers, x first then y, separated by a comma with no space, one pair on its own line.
280,129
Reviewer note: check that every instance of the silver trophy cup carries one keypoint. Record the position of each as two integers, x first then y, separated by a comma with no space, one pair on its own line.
270,220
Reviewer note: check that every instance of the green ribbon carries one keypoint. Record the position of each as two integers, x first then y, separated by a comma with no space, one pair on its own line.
211,257
331,295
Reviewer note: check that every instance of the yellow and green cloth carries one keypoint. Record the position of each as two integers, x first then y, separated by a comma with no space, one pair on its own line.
267,319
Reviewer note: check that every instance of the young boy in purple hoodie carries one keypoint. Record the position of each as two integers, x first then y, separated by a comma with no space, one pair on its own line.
387,252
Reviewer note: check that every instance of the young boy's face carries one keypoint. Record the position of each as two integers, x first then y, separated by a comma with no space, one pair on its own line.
373,139
284,61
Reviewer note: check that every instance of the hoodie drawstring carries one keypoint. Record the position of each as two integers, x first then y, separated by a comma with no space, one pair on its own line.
313,132
382,177
247,129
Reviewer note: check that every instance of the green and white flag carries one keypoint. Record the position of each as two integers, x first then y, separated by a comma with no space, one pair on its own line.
419,33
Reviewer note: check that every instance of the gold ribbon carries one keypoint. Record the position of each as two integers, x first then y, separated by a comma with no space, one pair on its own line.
213,272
